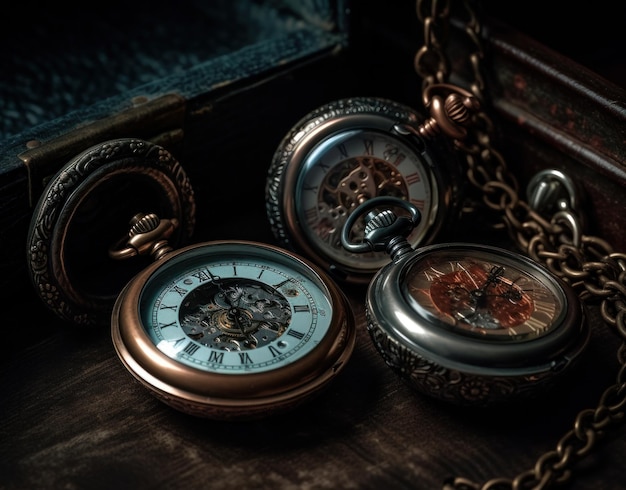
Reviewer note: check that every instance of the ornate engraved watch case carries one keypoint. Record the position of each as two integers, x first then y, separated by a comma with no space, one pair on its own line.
466,323
345,153
221,329
78,217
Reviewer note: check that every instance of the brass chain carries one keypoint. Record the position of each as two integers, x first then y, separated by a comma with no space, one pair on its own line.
587,263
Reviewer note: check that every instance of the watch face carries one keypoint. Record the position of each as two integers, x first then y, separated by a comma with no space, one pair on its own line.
341,155
233,329
484,295
348,168
234,313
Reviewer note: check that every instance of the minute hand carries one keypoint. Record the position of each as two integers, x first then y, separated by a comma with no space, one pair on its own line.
234,311
479,295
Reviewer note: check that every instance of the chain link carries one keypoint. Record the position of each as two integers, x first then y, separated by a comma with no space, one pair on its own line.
587,263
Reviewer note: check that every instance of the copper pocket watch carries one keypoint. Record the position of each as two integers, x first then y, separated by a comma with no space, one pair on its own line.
221,329
466,323
351,150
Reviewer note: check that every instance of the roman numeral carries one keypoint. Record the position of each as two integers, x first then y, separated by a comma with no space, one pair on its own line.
275,352
412,178
216,356
301,308
418,203
165,325
399,159
165,307
179,290
202,275
295,333
245,358
545,307
432,274
191,348
311,215
535,324
369,147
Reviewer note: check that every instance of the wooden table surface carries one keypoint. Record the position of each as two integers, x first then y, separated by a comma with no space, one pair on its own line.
72,417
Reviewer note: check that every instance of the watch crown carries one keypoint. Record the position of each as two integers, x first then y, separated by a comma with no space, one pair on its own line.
143,223
385,230
148,234
375,220
449,115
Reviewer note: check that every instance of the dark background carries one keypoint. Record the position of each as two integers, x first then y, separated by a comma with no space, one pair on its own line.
71,416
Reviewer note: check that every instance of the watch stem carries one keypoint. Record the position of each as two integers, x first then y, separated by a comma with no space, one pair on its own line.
148,235
398,247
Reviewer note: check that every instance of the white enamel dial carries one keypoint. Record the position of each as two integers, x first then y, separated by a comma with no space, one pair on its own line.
236,315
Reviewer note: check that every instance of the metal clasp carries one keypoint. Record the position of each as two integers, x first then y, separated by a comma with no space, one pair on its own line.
552,192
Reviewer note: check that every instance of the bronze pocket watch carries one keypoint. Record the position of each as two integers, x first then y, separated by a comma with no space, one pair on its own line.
467,323
349,151
221,329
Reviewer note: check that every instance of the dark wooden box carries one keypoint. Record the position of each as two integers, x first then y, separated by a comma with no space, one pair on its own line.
219,83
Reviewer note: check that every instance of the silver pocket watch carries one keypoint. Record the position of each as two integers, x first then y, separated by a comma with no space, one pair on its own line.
467,323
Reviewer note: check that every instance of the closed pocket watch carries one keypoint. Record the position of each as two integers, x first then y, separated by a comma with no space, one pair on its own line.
466,323
221,329
349,151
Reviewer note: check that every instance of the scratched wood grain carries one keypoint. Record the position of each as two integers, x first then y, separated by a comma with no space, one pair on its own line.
73,418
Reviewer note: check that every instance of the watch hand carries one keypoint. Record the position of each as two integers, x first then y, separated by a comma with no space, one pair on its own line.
217,280
234,311
234,315
229,293
479,294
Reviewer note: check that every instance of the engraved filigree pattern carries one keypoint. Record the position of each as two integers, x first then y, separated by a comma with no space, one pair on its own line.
452,385
252,411
47,276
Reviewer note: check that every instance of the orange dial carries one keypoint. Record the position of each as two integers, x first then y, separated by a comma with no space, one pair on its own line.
482,297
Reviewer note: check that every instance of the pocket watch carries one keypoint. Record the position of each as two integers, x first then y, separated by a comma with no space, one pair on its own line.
467,323
220,329
231,329
344,153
